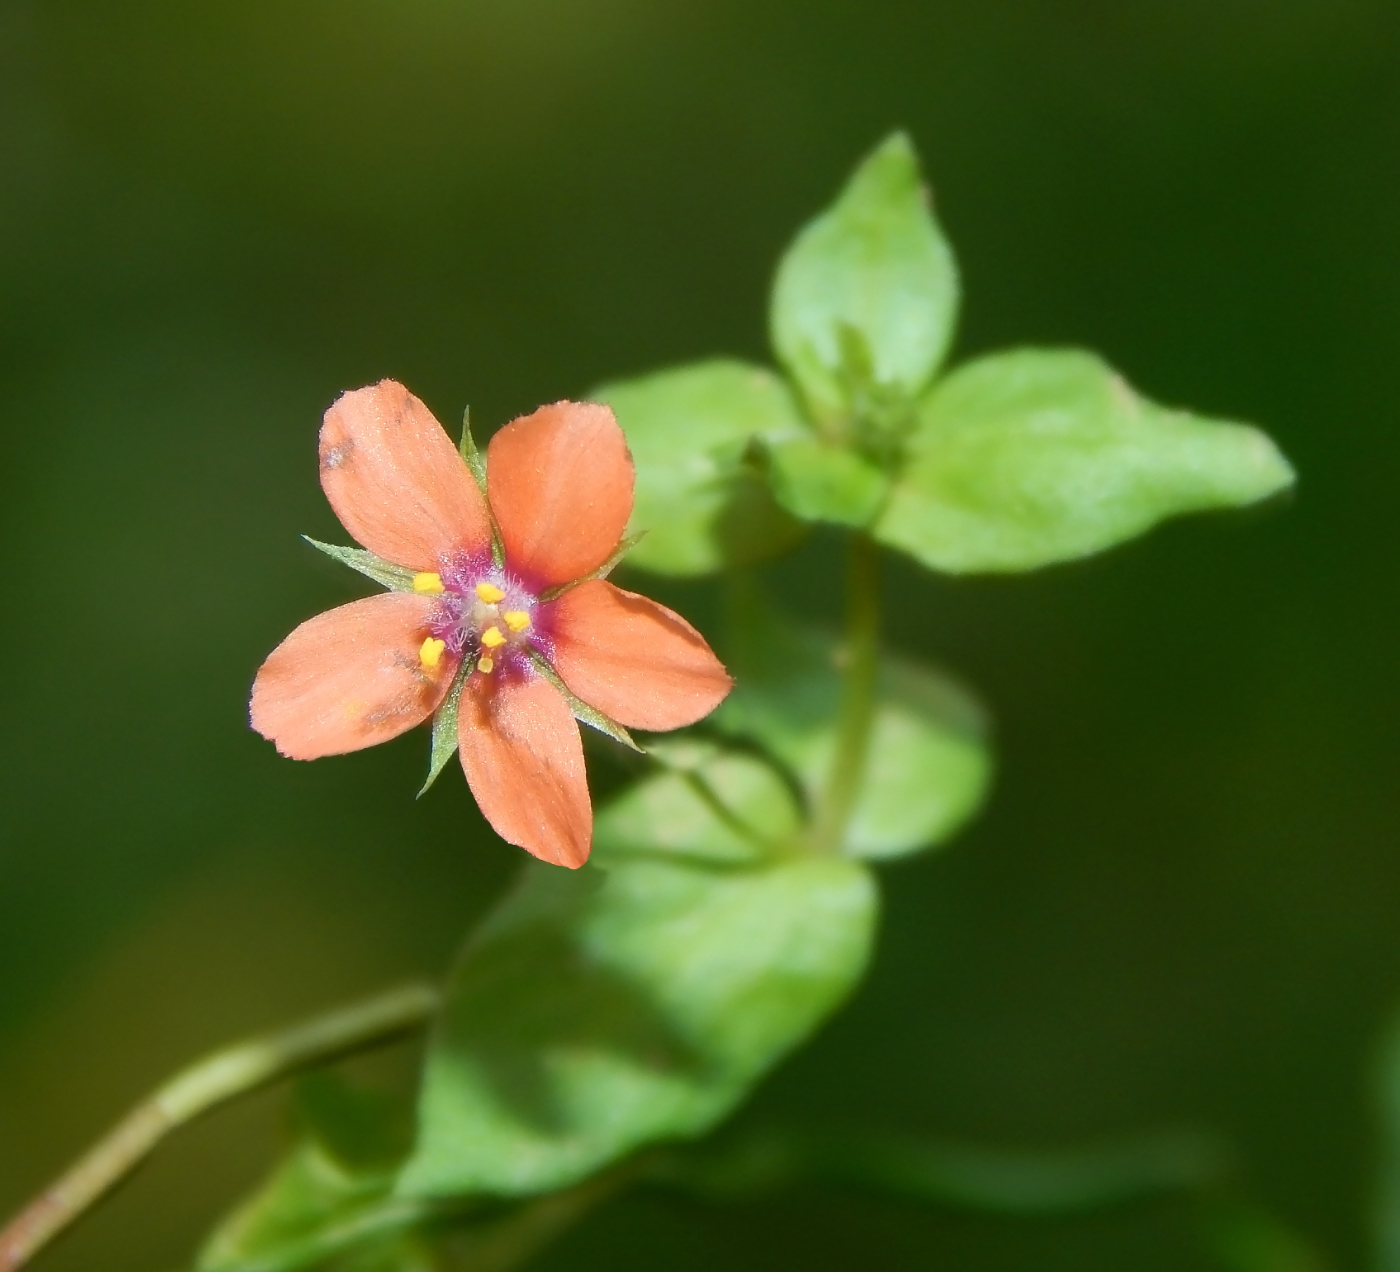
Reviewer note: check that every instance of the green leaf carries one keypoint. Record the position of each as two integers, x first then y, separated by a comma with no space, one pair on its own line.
300,1213
708,803
701,500
928,768
816,481
1025,458
444,743
602,1009
395,577
329,1204
866,298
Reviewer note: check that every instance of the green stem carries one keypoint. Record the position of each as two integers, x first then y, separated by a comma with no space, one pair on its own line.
222,1076
861,659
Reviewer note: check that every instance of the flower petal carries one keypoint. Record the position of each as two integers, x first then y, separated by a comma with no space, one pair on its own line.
560,482
396,480
349,678
523,759
633,659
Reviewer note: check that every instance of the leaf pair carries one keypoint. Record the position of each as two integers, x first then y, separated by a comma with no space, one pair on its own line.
1013,461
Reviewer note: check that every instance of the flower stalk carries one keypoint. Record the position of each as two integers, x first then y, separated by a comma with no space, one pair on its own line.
226,1074
860,663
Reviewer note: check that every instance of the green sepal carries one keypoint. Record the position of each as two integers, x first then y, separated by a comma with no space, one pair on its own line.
865,300
706,803
929,767
1034,456
444,740
467,447
580,709
602,1009
816,481
615,558
476,463
699,494
396,578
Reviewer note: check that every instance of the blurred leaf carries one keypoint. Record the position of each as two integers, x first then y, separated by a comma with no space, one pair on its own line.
709,804
311,1209
702,503
329,1203
1001,1181
1025,458
366,1130
395,577
866,297
928,768
816,481
602,1009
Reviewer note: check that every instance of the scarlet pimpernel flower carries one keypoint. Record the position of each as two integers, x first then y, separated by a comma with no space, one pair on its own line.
499,610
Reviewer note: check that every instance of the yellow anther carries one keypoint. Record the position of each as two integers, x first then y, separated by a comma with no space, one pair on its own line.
430,651
490,593
492,638
428,582
516,620
485,665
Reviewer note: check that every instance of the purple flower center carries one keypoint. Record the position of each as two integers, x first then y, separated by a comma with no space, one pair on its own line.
486,614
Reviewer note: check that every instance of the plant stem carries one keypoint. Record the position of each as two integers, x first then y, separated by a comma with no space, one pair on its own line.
231,1072
861,655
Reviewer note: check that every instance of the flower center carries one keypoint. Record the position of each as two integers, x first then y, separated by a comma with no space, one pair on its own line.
481,614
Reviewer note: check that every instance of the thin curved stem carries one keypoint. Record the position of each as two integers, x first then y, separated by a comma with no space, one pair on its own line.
861,664
222,1076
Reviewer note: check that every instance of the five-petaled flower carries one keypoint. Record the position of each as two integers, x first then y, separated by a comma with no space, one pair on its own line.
559,490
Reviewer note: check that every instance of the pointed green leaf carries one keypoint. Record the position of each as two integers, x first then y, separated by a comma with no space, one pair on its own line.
701,500
866,298
395,577
928,768
1025,458
816,481
707,803
444,743
602,1009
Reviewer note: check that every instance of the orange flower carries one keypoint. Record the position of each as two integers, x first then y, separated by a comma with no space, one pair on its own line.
559,484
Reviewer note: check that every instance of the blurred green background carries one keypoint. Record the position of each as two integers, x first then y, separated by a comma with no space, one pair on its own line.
1180,909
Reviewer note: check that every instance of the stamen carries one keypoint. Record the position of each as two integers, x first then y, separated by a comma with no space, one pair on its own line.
490,593
430,651
486,665
492,638
429,582
516,620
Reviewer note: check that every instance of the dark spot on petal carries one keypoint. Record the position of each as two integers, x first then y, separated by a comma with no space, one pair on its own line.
334,456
